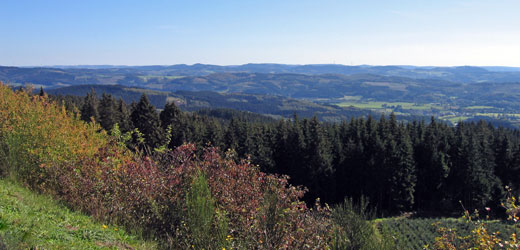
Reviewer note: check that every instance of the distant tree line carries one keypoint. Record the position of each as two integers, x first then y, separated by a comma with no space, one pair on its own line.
417,166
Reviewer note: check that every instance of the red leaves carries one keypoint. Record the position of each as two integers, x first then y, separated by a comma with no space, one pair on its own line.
88,171
147,191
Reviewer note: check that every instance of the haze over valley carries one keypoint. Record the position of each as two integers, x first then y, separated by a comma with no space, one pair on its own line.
232,124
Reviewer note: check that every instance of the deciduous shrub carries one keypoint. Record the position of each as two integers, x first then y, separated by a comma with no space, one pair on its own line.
182,197
37,134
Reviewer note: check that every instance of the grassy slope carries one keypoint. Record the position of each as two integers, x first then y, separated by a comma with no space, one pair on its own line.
28,220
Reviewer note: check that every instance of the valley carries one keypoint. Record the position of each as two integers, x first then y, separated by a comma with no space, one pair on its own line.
332,92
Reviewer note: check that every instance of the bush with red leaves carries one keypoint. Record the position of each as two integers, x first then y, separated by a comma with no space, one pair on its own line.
263,211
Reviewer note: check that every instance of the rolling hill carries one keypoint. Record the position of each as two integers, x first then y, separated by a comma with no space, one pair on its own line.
450,93
272,105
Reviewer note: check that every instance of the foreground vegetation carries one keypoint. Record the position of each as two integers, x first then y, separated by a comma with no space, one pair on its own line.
184,198
31,221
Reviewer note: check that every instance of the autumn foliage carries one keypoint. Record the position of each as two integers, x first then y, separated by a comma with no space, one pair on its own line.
37,135
163,195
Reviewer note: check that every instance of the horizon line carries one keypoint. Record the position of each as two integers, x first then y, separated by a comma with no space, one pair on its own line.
266,63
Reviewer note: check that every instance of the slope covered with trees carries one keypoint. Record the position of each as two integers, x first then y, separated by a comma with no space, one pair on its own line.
418,166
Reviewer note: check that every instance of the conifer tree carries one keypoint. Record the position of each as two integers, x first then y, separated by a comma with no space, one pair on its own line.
374,168
515,169
108,110
319,171
42,93
171,114
281,148
402,176
431,156
89,110
123,119
214,133
145,118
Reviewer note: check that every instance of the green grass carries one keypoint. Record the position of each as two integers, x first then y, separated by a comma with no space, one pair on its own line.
32,221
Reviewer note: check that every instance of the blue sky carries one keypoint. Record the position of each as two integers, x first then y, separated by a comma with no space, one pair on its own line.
412,32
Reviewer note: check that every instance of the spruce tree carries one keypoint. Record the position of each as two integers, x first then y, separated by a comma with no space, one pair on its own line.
319,171
42,93
402,175
280,148
123,118
515,169
170,115
433,168
89,110
108,110
145,118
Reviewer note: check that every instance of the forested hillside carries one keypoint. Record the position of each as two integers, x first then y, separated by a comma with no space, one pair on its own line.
271,105
419,166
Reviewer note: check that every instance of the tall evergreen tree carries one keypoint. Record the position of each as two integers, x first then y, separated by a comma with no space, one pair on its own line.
402,176
261,151
374,170
145,118
514,175
123,118
42,93
170,115
431,156
318,161
89,110
108,112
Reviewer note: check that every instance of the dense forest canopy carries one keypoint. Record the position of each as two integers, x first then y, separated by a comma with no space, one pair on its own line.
421,166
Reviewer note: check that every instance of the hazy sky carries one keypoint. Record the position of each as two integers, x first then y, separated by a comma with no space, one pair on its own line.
385,32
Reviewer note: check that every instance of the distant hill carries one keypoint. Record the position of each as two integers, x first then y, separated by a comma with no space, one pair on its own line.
274,106
128,94
128,75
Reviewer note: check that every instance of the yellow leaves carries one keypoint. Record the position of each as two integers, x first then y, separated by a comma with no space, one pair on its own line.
44,132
